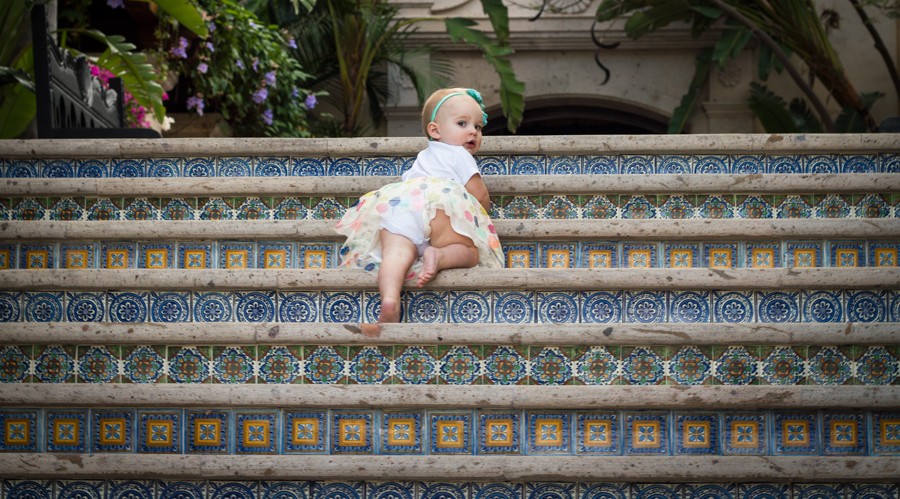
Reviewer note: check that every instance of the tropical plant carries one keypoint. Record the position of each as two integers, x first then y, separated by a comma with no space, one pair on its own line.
782,29
244,70
347,44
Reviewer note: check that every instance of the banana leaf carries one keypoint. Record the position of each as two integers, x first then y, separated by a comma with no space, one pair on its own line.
689,101
17,101
804,117
186,14
850,121
771,110
512,91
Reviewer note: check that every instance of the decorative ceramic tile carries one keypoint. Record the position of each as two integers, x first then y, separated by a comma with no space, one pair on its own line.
28,209
716,207
843,433
521,207
67,209
542,490
639,256
514,307
506,365
551,365
548,432
92,168
638,207
426,307
778,306
883,254
255,306
257,432
341,306
328,208
160,432
67,430
164,167
560,207
18,431
298,307
677,207
803,255
689,306
212,307
195,256
143,364
877,366
598,366
460,365
189,364
77,256
744,434
128,168
528,165
872,206
643,365
93,489
736,366
401,433
599,256
564,165
830,366
54,364
469,307
309,167
450,433
233,364
866,306
599,208
783,366
326,365
601,306
415,365
352,432
834,206
170,307
520,256
733,306
795,433
208,432
712,164
179,209
674,165
127,306
557,308
112,431
645,433
141,209
37,256
691,365
305,432
15,362
368,365
279,364
645,306
763,255
118,255
288,209
822,306
8,256
98,364
270,166
493,165
498,433
558,255
506,490
696,434
10,307
43,306
886,433
316,256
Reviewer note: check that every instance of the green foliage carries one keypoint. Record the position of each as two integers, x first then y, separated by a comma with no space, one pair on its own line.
689,101
850,121
138,76
17,104
186,14
512,91
244,70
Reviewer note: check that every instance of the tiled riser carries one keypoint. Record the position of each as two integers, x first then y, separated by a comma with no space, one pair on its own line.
489,165
551,432
547,206
517,307
558,254
456,365
152,489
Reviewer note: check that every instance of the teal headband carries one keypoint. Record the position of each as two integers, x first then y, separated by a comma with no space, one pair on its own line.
471,93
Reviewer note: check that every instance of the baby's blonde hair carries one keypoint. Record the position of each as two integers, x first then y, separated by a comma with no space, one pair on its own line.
432,101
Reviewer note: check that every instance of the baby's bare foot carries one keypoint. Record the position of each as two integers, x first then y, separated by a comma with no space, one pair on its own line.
429,265
390,312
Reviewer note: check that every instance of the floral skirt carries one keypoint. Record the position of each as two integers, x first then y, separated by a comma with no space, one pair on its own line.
415,201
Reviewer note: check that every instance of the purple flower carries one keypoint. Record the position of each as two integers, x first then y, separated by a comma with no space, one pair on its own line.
211,26
239,64
270,78
202,67
180,50
252,24
267,116
295,93
260,95
311,101
291,42
210,46
116,4
195,102
255,64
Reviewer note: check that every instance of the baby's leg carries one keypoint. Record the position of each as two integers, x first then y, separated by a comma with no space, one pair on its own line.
446,250
397,255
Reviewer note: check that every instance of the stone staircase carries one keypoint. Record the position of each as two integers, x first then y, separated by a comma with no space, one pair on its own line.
681,316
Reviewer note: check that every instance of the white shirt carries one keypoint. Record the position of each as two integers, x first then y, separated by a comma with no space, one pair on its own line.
444,161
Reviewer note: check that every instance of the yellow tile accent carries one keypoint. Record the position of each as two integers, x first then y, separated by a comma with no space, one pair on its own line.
195,259
640,259
76,259
37,259
401,431
600,259
306,431
66,431
558,259
844,428
112,431
117,259
682,259
315,259
450,434
352,432
159,433
157,259
804,257
694,429
889,428
5,259
17,431
721,258
207,432
846,258
548,431
885,257
763,258
597,433
518,259
795,433
236,259
274,259
499,433
744,434
255,433
645,435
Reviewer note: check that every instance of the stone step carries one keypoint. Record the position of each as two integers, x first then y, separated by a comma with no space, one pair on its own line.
345,279
498,185
319,333
494,469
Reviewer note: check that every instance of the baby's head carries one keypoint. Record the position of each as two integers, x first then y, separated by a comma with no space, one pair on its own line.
455,116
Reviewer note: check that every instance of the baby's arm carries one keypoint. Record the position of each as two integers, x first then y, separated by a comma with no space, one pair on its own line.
476,188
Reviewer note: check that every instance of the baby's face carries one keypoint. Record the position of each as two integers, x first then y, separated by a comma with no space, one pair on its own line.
459,123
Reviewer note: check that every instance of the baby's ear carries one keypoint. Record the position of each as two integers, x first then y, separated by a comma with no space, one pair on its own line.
433,131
